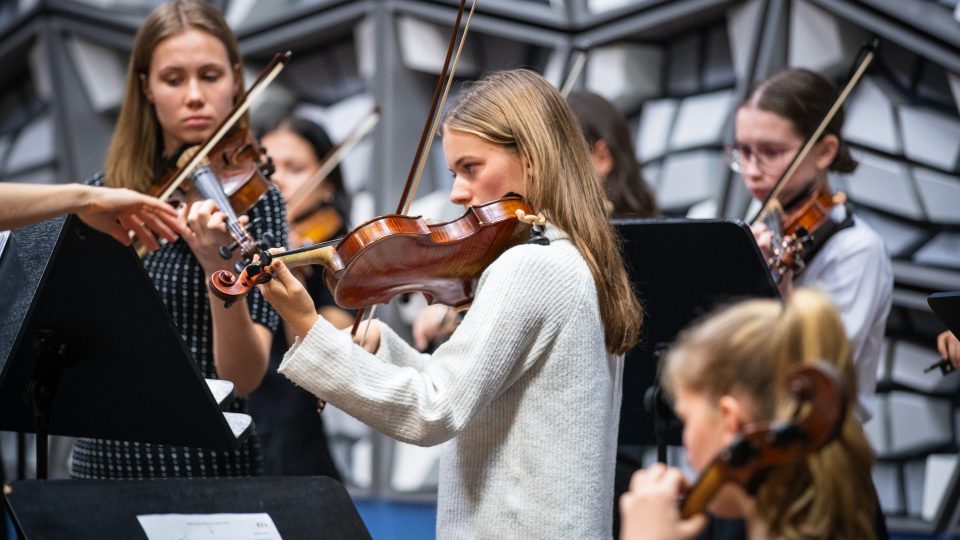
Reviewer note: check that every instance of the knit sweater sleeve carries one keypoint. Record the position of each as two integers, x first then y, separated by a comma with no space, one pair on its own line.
522,301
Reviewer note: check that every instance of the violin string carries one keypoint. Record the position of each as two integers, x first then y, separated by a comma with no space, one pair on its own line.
435,125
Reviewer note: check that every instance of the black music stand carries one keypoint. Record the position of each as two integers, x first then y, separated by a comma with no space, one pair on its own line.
946,306
681,270
87,348
300,506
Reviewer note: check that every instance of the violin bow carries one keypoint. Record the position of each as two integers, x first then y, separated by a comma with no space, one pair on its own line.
269,73
579,62
866,56
431,125
333,159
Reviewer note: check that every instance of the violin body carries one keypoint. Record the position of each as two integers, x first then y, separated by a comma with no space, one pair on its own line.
316,226
237,162
800,233
395,254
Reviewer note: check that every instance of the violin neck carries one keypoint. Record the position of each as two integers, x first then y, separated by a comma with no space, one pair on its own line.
325,256
701,493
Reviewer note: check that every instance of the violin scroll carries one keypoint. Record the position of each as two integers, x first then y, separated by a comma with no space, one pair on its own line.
819,412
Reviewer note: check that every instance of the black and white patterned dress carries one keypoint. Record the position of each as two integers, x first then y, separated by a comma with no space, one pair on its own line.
181,283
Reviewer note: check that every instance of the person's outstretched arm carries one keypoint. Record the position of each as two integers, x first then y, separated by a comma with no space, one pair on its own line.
116,212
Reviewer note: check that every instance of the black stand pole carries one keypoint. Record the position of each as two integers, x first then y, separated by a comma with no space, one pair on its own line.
51,361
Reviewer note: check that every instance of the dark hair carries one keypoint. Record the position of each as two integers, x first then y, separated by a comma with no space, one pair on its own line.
625,187
320,142
803,97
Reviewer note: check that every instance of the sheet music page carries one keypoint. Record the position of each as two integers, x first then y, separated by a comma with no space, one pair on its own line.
209,527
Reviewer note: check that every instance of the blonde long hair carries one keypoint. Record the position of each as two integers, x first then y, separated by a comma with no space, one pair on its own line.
520,111
137,140
751,347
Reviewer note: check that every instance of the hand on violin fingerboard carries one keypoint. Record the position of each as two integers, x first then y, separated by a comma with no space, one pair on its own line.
290,298
206,231
648,511
765,238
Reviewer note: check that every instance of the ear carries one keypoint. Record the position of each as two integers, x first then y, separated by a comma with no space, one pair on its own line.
145,88
602,157
826,151
733,416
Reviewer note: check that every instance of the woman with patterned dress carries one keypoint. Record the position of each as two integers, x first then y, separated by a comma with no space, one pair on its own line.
184,78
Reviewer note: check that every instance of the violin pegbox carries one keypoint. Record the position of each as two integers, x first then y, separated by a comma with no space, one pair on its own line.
537,221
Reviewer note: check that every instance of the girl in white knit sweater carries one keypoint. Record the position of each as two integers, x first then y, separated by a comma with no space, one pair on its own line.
526,393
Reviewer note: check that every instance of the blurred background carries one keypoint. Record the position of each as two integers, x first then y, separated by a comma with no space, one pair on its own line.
676,69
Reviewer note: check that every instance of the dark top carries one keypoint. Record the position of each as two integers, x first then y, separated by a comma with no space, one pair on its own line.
291,431
182,286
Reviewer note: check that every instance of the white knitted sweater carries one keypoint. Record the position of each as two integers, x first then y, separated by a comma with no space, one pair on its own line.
524,395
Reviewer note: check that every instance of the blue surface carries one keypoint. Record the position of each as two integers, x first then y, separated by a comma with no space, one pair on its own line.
392,520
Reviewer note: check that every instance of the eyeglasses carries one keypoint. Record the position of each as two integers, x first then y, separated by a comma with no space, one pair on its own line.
770,159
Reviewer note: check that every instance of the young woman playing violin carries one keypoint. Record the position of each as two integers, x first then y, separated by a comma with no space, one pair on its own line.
184,78
852,265
527,390
720,374
291,432
614,162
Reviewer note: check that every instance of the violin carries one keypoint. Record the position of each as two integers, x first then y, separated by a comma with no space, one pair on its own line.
819,412
800,233
395,254
234,176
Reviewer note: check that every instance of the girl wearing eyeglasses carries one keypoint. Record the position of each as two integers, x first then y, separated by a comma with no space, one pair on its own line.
852,266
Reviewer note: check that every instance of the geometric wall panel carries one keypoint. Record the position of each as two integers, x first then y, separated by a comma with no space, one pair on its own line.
930,137
718,62
909,361
102,72
913,476
943,250
901,239
33,146
885,184
954,82
939,471
940,194
871,119
40,72
820,41
918,423
689,178
701,119
656,122
886,478
743,20
420,41
684,72
625,74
